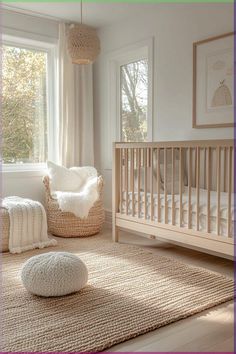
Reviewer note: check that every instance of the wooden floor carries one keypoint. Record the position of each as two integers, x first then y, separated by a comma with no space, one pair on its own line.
210,331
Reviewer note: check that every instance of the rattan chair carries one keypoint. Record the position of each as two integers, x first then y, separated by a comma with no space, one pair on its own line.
4,229
66,224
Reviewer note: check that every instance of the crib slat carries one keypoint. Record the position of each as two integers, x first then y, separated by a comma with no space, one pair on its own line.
233,164
180,187
145,182
148,158
205,169
139,164
225,168
197,186
218,189
158,187
173,186
126,181
208,188
165,186
151,182
195,167
121,179
132,178
189,187
229,191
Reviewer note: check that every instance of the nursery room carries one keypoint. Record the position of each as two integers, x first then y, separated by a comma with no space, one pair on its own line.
117,176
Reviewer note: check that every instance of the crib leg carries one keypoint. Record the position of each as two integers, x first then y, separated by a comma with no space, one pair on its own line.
115,233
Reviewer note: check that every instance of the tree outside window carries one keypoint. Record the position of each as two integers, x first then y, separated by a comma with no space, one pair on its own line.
24,105
134,96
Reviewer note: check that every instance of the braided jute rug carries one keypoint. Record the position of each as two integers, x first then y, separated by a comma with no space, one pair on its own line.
130,292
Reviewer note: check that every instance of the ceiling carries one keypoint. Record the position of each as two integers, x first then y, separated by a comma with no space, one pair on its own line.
97,14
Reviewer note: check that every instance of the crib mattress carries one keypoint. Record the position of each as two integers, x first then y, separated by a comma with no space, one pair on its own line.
185,207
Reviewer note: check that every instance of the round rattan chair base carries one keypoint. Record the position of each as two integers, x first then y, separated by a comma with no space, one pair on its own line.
4,229
65,224
68,225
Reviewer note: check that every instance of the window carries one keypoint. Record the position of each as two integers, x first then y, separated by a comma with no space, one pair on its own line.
26,103
134,100
129,111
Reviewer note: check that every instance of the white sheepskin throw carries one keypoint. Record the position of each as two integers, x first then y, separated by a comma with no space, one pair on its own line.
76,188
54,274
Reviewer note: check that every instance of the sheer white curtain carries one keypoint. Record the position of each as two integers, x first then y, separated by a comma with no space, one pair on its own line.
75,108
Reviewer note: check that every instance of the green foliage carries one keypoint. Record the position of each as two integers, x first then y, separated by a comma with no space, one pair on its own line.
24,105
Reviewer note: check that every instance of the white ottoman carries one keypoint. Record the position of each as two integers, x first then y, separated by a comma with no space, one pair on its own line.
54,274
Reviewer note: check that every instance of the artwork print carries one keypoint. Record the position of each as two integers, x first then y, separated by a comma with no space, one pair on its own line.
220,80
213,82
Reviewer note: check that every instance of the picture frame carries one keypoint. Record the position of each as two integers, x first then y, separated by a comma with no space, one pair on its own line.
213,82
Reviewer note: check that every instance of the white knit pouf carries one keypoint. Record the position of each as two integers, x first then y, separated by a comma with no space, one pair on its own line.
54,274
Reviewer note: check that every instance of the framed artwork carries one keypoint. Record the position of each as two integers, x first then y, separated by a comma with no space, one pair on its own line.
213,82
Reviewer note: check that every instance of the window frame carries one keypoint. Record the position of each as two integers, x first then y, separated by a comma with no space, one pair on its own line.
51,84
116,59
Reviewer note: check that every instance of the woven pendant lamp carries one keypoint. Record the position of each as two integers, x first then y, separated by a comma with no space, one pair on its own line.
83,43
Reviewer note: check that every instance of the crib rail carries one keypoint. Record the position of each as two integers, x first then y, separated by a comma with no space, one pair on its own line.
177,183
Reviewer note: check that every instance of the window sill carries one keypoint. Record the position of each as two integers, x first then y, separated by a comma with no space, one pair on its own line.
15,171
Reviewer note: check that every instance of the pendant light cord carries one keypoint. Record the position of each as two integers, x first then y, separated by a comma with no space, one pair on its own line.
81,12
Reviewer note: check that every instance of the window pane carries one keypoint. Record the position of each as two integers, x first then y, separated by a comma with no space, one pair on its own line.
134,96
24,105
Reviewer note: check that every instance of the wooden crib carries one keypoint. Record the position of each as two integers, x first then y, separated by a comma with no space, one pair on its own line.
179,191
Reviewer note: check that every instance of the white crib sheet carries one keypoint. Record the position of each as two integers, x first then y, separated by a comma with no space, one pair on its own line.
202,208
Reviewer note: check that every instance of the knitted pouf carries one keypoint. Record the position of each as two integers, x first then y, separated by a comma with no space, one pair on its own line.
54,274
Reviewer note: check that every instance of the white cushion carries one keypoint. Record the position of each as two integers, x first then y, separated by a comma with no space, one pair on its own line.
54,274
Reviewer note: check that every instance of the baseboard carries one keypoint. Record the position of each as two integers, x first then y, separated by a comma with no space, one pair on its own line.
108,218
108,224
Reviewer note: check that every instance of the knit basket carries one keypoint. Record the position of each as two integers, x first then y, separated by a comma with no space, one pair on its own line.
66,224
4,229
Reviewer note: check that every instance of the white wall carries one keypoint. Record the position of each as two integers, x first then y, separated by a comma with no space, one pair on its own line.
26,184
174,28
31,26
